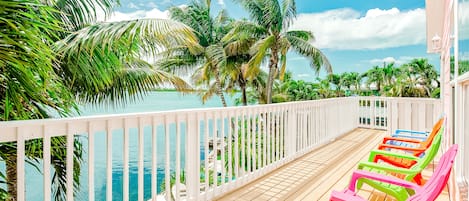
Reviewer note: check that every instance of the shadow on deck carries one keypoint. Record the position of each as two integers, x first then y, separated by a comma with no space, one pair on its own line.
314,175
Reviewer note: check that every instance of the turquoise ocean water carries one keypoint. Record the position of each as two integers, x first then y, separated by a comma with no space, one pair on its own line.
154,101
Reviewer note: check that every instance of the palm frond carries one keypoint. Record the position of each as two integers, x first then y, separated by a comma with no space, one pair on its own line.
304,35
255,8
77,14
317,58
179,64
244,30
215,54
26,62
259,51
288,12
222,17
151,35
283,60
134,80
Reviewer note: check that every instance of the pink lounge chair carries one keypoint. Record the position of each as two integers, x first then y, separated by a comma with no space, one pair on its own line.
429,191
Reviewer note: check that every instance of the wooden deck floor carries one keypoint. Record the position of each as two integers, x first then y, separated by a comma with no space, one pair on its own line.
315,175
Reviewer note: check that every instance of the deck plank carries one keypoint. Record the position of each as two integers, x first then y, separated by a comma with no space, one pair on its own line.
314,175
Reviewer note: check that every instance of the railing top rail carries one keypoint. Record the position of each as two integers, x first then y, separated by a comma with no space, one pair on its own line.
157,113
192,110
399,98
463,79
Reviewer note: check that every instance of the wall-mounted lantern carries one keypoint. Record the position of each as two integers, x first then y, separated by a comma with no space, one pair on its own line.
436,42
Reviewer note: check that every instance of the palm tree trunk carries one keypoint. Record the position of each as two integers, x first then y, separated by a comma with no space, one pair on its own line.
219,90
272,70
11,177
243,91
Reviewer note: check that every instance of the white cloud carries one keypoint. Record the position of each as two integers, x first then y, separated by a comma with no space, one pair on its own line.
304,75
140,14
463,20
399,61
385,60
221,3
152,5
165,2
295,58
347,29
132,5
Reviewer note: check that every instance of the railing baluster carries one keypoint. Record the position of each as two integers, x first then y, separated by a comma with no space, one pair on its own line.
154,178
248,141
109,161
140,158
230,143
178,159
125,176
264,139
215,152
222,143
254,135
90,161
69,166
20,184
47,159
258,136
167,172
206,153
269,133
192,152
276,137
236,148
243,150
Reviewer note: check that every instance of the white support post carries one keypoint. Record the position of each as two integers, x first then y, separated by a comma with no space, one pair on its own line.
290,137
192,157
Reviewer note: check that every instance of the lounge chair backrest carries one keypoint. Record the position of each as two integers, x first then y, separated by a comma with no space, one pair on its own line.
430,153
436,129
437,182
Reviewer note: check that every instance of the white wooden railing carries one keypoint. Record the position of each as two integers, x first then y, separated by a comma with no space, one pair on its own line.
398,113
180,143
461,130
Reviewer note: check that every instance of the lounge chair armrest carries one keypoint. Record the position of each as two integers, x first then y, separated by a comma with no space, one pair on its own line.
387,168
411,132
408,140
414,150
360,174
373,154
420,137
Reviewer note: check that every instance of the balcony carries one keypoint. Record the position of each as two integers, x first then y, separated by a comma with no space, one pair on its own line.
299,150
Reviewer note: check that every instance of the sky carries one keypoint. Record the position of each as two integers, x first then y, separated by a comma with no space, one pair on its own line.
355,35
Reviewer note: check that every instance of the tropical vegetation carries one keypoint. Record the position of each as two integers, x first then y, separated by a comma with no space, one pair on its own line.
55,55
416,78
270,24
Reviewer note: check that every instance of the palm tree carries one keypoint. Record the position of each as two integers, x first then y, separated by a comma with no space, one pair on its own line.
271,22
463,66
424,73
389,73
405,86
375,76
237,69
212,58
54,53
336,80
356,80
